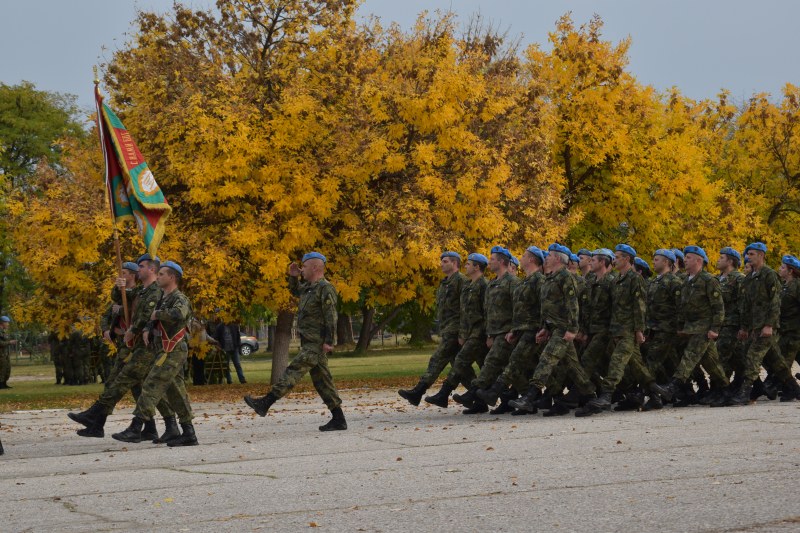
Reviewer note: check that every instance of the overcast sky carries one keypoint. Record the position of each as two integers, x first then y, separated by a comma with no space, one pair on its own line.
699,46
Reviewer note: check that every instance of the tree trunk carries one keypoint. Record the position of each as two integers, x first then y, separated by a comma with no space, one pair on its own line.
344,330
365,335
280,346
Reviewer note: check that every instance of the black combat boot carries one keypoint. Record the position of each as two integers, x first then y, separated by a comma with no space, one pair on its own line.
150,431
188,438
634,399
757,390
414,396
596,405
2,451
88,417
261,405
171,430
132,433
790,391
658,390
716,395
337,423
654,403
478,407
742,396
96,429
505,397
545,401
770,389
492,394
674,390
466,399
528,402
441,398
557,409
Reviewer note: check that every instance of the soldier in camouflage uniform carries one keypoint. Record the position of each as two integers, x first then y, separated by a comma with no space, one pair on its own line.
316,324
448,314
499,306
560,323
585,265
5,352
597,316
790,310
701,315
663,300
759,308
524,326
471,331
729,347
137,337
627,324
165,379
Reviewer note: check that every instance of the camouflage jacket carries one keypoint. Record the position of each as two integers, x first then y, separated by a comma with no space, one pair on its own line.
760,300
701,307
790,309
110,319
448,303
731,286
663,298
597,315
560,308
316,312
628,306
174,312
144,303
499,304
527,307
583,300
5,344
473,316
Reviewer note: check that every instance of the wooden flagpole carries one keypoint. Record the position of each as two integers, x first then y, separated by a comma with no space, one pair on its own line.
111,208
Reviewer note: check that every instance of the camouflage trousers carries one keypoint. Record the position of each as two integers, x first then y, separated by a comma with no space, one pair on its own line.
165,381
523,359
765,351
310,360
625,354
123,354
444,355
731,350
129,376
495,362
557,350
700,350
473,351
662,355
5,365
790,349
596,356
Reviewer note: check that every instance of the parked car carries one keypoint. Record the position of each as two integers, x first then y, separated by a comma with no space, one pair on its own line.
248,345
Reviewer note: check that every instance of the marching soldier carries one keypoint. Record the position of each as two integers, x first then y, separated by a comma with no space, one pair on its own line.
471,331
5,352
790,310
729,347
316,323
165,378
448,312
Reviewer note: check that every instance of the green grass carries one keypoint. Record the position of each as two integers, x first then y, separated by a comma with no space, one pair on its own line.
34,386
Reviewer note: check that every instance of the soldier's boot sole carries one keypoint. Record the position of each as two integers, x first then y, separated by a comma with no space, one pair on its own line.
98,433
411,396
334,425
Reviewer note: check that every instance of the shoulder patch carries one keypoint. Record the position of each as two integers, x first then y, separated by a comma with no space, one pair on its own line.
152,304
716,294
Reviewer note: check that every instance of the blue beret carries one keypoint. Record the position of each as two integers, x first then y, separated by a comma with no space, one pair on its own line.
4,318
514,261
556,247
697,251
174,266
604,252
678,254
536,252
450,254
665,252
130,265
147,257
500,250
626,248
478,258
315,255
641,263
758,246
584,251
731,252
746,260
574,258
792,261
545,253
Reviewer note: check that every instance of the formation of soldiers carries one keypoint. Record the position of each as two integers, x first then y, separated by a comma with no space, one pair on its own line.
151,355
602,329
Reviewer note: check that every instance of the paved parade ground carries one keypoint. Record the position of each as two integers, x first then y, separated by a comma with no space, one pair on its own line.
400,468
